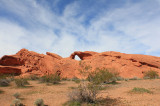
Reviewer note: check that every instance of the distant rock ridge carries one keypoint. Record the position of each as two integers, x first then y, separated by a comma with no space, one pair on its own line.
26,63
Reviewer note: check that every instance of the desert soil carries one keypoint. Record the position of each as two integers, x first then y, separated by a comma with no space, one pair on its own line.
56,95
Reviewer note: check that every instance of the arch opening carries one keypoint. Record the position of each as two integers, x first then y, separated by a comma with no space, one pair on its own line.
77,57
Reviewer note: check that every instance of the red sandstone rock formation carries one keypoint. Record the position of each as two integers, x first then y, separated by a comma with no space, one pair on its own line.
26,62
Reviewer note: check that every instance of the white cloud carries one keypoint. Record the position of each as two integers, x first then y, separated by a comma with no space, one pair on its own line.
133,28
9,43
14,37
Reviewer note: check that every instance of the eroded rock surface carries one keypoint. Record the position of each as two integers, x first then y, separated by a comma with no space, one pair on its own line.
83,55
26,62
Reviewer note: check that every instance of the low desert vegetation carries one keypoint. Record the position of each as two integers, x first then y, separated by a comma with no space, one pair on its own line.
8,77
4,76
53,78
17,102
17,95
33,77
65,79
76,80
101,76
87,91
22,82
135,78
140,90
4,82
84,93
39,102
118,78
151,74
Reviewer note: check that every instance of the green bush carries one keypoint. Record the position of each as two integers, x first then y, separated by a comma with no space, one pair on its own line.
4,82
4,76
39,102
33,77
65,79
100,76
119,78
151,74
21,82
126,79
16,102
76,80
16,95
54,79
140,90
85,93
135,78
72,103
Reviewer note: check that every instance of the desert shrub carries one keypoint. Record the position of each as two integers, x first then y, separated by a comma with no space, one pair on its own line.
16,95
65,79
1,91
87,92
151,74
100,76
4,82
140,90
76,80
119,78
17,102
4,76
134,78
126,79
72,103
84,93
21,82
8,77
54,79
33,77
39,102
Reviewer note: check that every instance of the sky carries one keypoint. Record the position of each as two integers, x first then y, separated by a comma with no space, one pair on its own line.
65,26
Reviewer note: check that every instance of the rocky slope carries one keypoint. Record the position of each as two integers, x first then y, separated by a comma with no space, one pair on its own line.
25,63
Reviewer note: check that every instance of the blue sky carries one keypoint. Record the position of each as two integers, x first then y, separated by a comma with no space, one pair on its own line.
65,26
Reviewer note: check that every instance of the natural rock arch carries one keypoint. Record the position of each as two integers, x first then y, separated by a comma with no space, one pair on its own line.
82,55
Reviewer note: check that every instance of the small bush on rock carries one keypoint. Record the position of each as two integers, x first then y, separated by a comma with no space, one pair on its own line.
151,74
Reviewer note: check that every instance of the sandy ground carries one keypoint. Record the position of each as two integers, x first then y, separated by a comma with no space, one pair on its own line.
56,95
